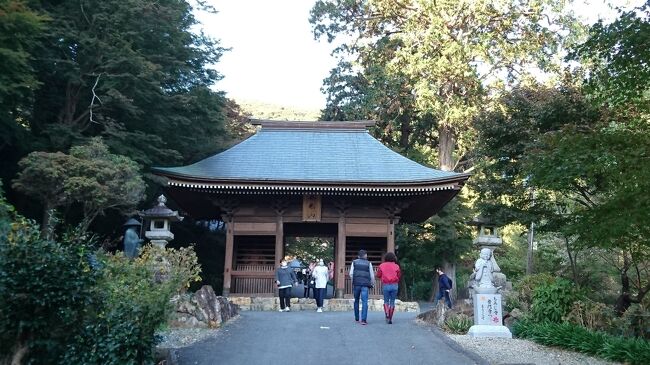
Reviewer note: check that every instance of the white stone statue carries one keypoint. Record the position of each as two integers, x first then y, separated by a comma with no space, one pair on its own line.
482,275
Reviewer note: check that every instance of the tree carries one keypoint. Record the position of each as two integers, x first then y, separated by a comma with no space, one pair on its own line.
89,176
447,56
20,28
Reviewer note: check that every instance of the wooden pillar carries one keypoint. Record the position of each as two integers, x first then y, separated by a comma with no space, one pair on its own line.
340,259
279,239
227,267
390,239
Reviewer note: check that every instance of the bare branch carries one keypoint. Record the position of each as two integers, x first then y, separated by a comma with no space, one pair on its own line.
92,101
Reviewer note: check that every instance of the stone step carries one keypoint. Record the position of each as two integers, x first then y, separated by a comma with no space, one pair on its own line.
332,305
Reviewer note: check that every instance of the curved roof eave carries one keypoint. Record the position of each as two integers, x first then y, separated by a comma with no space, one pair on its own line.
321,154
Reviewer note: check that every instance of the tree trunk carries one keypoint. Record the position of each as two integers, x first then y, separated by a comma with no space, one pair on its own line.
46,221
572,260
446,146
405,129
450,269
624,300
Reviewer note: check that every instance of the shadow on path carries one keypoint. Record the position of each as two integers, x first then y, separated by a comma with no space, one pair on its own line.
326,338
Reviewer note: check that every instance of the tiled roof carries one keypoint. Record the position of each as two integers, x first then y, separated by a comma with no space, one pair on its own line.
310,155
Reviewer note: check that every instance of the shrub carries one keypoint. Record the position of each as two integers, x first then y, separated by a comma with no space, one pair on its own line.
133,300
421,290
551,302
590,314
577,338
635,322
44,287
58,308
522,295
458,323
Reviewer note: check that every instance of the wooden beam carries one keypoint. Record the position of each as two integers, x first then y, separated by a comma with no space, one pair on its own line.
279,239
390,238
227,267
340,259
255,228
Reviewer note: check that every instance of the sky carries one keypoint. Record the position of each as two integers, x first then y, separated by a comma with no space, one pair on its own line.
274,57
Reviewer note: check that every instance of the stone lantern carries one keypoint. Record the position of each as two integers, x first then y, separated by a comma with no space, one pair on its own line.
160,218
488,233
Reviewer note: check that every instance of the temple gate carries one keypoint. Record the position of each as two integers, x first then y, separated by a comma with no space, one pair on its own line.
307,178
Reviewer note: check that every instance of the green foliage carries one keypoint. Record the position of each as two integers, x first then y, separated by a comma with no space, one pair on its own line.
420,290
617,55
133,301
20,28
522,294
62,303
421,65
458,323
577,338
592,315
309,249
45,287
635,322
442,238
553,301
90,176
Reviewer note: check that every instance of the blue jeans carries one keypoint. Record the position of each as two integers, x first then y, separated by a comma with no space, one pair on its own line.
319,295
440,295
390,294
361,291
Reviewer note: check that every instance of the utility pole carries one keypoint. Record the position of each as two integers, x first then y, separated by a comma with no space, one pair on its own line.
529,253
531,238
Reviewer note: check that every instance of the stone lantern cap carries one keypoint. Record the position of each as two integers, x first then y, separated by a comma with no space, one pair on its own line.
488,234
161,211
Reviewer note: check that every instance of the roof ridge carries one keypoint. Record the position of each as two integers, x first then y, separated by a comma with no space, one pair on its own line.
318,125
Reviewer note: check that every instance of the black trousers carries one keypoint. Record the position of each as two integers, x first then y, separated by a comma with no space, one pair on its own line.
285,297
307,289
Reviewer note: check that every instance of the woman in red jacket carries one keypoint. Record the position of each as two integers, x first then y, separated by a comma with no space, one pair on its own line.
390,274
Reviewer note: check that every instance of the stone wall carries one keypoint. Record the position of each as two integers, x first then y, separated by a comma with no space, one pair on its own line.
299,304
203,309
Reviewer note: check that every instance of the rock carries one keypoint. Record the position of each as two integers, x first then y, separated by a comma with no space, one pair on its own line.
511,317
204,309
209,306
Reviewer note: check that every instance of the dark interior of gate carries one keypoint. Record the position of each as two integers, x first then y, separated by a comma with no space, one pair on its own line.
254,258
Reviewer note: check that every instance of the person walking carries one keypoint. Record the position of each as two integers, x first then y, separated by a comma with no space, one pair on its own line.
321,275
389,273
308,283
444,287
363,278
285,278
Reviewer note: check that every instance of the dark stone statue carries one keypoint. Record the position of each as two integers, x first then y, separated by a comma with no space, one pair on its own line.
131,243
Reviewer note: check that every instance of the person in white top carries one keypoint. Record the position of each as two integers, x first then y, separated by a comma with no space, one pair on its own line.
321,276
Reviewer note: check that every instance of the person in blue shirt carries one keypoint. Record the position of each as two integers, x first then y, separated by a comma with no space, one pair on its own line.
444,288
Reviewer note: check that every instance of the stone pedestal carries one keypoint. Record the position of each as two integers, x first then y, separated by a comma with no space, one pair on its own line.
484,330
488,317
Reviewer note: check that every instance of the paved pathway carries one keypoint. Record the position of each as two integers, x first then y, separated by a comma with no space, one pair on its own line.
306,337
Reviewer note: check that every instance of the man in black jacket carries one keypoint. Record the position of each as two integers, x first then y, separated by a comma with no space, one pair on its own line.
363,278
444,287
